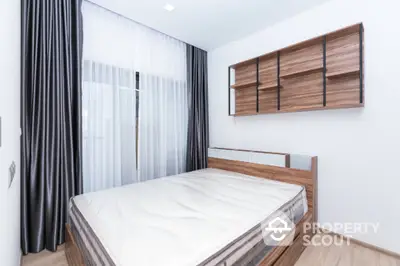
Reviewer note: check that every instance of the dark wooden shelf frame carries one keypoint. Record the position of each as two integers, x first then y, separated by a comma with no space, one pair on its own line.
324,71
278,78
258,84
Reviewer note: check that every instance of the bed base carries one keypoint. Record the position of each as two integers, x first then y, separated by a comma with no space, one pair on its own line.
279,256
72,251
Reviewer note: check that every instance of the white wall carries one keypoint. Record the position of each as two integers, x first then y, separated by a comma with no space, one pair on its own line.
358,149
10,113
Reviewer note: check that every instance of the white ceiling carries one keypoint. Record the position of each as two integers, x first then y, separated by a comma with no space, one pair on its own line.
208,23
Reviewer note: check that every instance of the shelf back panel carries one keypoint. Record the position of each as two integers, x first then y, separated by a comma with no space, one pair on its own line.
343,54
246,103
300,60
268,70
268,101
245,74
302,93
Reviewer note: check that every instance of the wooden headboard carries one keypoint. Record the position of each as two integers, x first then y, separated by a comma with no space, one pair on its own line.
289,168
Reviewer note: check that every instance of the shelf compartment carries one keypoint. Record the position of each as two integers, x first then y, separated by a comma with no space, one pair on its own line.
340,74
269,86
244,85
302,72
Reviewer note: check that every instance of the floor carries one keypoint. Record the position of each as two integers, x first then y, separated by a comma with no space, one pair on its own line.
345,255
46,258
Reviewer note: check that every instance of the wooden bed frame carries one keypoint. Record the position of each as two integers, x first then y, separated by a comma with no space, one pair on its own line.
280,255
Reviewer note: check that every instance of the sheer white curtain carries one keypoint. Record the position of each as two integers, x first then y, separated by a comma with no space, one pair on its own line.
109,122
163,127
115,49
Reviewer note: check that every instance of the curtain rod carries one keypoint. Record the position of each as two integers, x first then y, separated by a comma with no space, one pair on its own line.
127,18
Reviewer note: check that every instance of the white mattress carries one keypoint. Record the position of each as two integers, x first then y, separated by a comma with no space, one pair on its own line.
183,219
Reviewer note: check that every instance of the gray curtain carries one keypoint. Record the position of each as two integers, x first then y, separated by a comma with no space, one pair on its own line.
197,78
50,119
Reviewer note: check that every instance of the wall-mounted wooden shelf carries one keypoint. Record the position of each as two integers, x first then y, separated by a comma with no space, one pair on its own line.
268,86
301,72
244,85
322,73
344,73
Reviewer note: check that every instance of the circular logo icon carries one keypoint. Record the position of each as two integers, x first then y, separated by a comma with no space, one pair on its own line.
278,230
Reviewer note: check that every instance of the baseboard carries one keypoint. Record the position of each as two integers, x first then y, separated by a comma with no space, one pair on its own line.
366,245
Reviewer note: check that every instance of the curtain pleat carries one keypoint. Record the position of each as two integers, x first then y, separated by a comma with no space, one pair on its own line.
50,119
198,140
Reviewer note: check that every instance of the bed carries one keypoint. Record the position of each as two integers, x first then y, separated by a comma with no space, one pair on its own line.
213,216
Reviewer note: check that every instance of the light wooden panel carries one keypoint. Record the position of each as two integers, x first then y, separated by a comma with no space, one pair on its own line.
302,90
246,96
246,73
246,101
302,93
309,57
343,92
268,69
268,101
268,98
343,58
